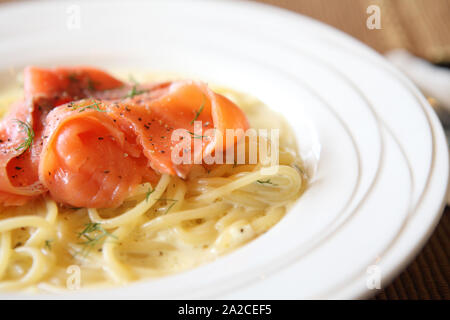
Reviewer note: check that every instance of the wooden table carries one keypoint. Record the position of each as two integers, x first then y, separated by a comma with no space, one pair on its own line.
422,27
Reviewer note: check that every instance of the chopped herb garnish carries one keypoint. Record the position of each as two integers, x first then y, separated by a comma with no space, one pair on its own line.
170,207
197,113
30,135
48,244
196,136
266,181
134,92
149,192
174,201
93,234
94,106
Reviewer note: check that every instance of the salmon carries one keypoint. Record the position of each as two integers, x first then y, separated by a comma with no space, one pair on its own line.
156,115
65,84
98,138
18,181
43,90
87,161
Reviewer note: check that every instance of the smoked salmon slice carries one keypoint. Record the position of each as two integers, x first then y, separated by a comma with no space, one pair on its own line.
189,107
65,84
87,161
99,137
43,90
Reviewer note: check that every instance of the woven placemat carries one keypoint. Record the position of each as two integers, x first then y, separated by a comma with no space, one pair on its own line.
427,277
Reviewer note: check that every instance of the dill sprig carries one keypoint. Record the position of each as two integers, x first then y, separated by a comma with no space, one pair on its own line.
196,136
94,234
174,201
93,106
134,91
149,192
266,182
48,244
197,113
30,135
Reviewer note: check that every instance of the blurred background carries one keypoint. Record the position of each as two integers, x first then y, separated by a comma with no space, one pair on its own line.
422,29
420,26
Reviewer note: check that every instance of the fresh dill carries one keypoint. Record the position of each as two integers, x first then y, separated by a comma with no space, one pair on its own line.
93,234
171,205
266,182
174,201
197,113
134,91
48,244
93,106
196,136
149,192
30,135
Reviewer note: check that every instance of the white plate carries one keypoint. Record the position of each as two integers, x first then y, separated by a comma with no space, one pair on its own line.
382,173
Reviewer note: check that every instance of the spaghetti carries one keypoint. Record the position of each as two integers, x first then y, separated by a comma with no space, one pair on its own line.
160,229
